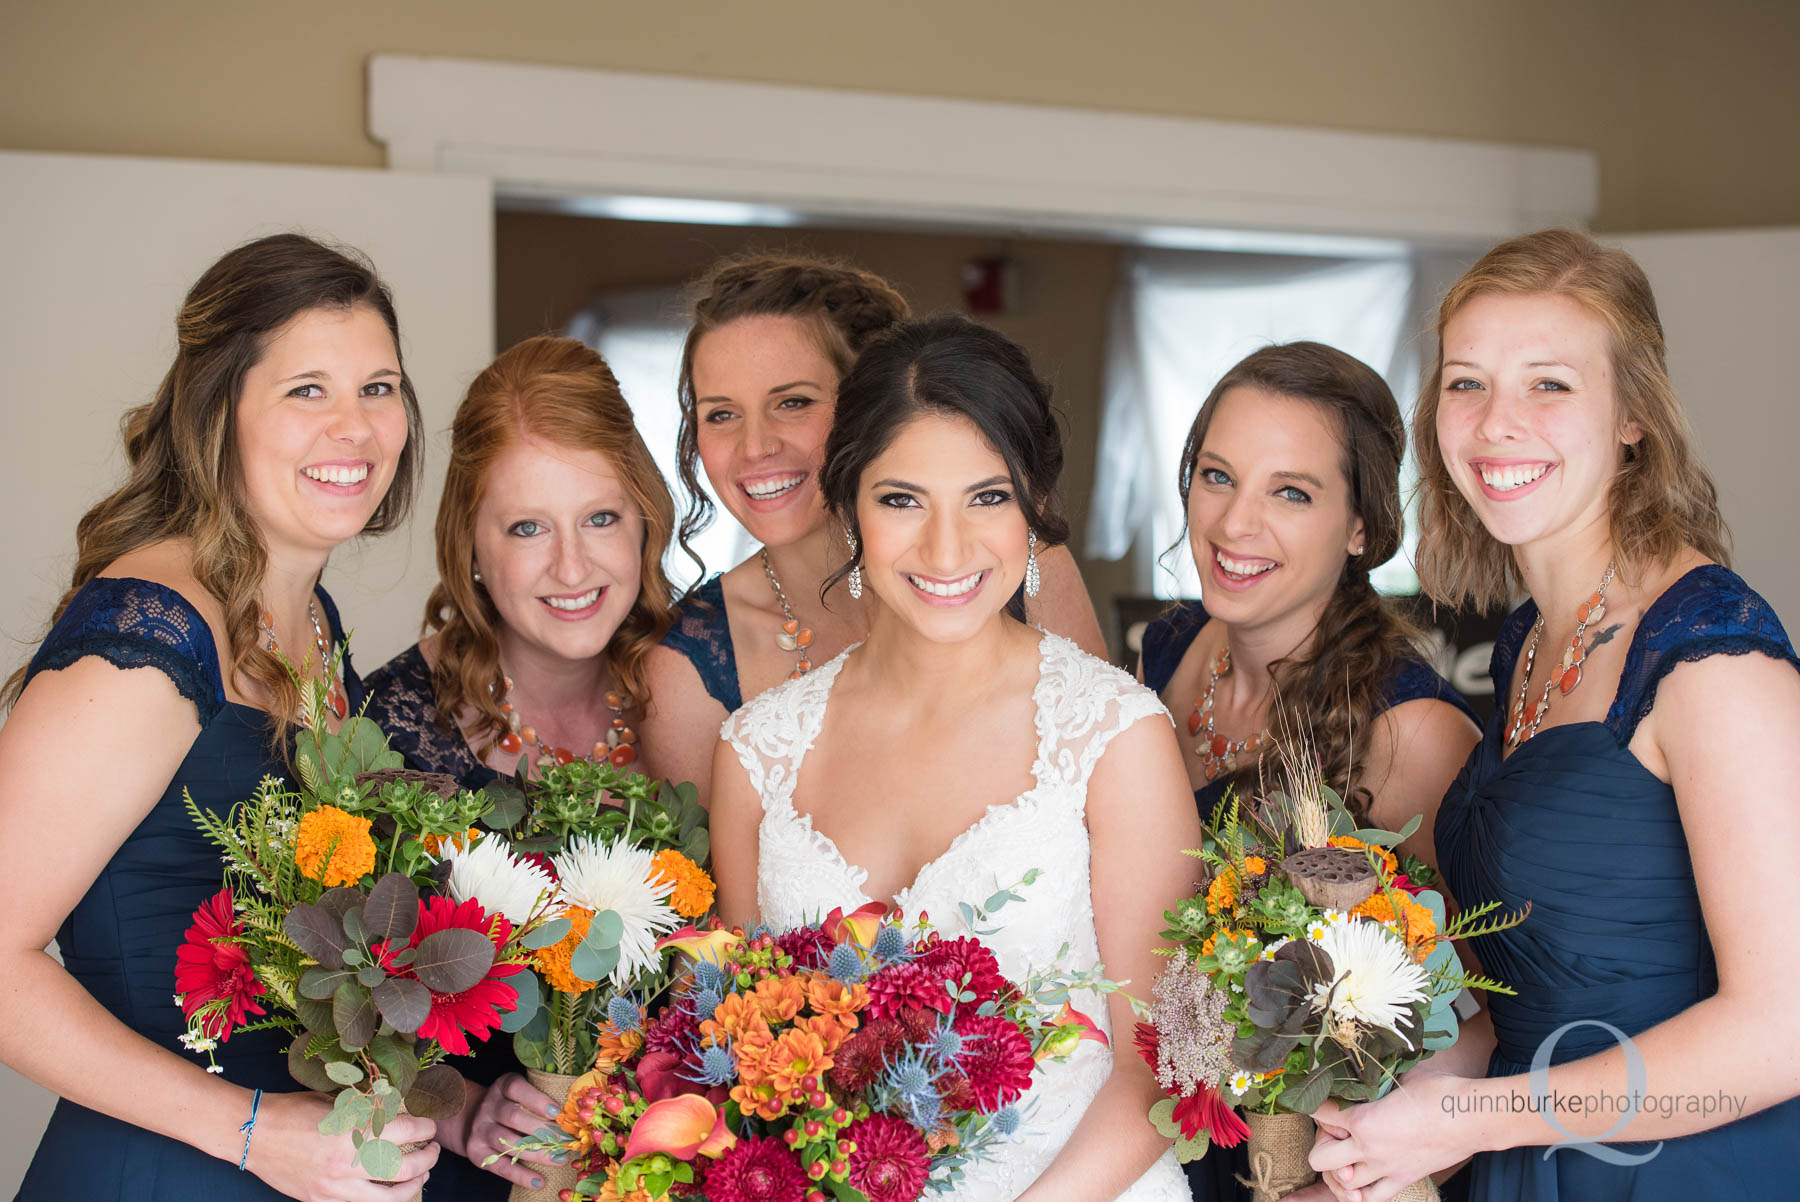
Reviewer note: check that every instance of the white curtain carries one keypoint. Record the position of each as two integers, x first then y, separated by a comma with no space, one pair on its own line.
639,334
1180,319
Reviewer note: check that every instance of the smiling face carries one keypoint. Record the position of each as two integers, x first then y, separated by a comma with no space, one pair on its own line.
764,392
1269,511
559,543
943,534
321,424
1527,420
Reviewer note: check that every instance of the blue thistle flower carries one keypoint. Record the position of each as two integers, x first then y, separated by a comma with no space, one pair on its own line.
846,965
708,975
1006,1120
702,1003
717,1067
623,1014
890,943
947,1044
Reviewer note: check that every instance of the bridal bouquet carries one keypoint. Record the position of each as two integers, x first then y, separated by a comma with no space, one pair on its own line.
1313,965
850,1059
362,917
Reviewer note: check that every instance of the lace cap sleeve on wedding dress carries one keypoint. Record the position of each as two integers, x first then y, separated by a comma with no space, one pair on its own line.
1081,704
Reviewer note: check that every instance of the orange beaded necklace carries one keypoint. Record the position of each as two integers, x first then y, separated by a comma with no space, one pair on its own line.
618,747
1567,674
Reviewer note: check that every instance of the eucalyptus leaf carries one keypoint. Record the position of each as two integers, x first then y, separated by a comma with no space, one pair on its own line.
606,930
525,983
404,1003
453,959
396,1061
354,925
392,910
506,806
547,935
380,1159
370,975
353,956
349,1113
591,964
1308,1093
308,1070
343,1072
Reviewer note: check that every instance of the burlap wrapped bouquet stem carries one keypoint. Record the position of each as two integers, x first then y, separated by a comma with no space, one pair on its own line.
557,1177
1278,1149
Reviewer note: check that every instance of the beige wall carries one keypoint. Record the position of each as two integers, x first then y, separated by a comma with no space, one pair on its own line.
1691,107
545,266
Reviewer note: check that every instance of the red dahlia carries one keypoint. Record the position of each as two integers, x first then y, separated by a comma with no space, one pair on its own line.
953,959
476,1010
756,1170
891,1162
809,946
671,1030
207,970
1205,1110
996,1058
905,985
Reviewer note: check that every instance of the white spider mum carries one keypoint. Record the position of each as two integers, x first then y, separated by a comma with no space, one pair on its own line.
1377,981
489,873
619,878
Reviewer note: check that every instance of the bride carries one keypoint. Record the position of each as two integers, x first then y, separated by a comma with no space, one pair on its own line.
962,748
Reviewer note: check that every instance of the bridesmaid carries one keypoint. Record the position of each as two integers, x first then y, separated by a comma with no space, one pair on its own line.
1285,523
1638,788
285,426
550,538
772,336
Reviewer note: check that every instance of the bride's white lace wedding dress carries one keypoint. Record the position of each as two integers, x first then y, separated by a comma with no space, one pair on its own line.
1081,703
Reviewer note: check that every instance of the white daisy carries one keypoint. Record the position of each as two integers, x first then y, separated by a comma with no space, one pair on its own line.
1315,930
1269,952
597,877
489,873
1376,982
1241,1083
1335,917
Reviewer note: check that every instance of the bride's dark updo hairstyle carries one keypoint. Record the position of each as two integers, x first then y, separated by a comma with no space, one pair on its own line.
949,367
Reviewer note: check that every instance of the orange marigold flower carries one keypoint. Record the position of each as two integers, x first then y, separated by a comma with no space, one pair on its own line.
1415,922
795,1055
1222,893
827,996
693,894
333,847
1229,936
435,843
553,961
1384,858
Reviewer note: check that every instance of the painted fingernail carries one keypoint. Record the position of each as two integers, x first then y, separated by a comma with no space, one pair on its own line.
537,1183
561,1156
553,1110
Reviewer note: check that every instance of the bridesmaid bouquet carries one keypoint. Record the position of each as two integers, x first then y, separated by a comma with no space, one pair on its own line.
850,1059
364,916
1313,965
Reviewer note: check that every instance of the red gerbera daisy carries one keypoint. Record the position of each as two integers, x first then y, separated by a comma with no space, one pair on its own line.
1149,1043
891,1162
476,1010
902,985
756,1170
953,959
996,1057
1205,1110
208,970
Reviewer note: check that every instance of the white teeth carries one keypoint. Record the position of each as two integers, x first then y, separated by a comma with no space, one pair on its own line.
955,588
1505,479
1238,567
774,488
337,475
573,603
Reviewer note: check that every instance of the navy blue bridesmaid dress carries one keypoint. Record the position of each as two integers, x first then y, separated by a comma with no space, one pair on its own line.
1572,823
1213,1178
702,632
402,703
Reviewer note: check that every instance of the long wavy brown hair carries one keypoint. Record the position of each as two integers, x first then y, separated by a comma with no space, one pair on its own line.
559,391
1662,498
843,307
1331,689
183,476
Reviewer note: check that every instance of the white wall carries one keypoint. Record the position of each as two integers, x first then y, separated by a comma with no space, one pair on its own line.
98,253
1730,306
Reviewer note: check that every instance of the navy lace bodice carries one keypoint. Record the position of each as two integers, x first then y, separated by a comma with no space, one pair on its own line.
402,703
702,633
120,940
1573,823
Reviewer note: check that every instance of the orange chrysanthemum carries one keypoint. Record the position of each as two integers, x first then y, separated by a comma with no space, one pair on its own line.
797,1054
333,847
693,894
831,1029
610,1192
779,999
612,1046
1416,924
835,998
553,961
1383,857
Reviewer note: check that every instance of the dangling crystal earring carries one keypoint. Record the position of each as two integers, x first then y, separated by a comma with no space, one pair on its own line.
855,572
1032,579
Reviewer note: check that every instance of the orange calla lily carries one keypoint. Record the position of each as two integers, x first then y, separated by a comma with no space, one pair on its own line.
860,926
714,945
683,1127
1068,1029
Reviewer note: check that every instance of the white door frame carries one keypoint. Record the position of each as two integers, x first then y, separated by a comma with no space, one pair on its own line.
557,134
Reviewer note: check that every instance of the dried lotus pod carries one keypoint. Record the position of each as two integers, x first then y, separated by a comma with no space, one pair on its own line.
1334,878
440,783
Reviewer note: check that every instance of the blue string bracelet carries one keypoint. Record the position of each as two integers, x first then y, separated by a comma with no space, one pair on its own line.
249,1129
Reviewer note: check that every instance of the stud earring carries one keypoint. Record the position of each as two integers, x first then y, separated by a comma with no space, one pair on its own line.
1032,577
855,577
477,574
